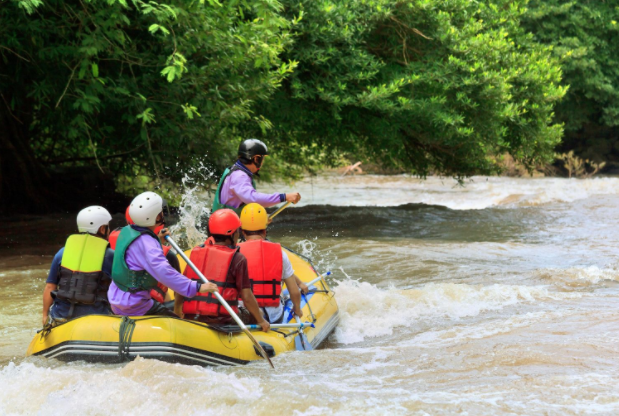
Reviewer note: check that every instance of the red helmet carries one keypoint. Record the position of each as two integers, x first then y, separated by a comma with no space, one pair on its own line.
223,222
128,217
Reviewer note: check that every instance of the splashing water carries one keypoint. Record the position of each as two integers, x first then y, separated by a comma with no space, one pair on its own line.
194,208
323,260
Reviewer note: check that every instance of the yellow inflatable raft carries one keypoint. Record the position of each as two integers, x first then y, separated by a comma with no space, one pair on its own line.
99,338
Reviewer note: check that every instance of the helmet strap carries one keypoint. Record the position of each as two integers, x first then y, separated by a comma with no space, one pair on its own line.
257,160
162,221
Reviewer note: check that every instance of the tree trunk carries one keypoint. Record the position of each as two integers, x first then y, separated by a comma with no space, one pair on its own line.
23,181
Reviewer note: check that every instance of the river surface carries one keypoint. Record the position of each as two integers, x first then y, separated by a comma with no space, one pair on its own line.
497,298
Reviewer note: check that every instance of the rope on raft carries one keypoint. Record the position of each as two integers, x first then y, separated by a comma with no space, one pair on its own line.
125,333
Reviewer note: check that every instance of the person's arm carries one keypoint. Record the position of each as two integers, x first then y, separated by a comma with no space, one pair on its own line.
302,286
51,284
291,280
295,295
47,300
150,257
240,185
252,306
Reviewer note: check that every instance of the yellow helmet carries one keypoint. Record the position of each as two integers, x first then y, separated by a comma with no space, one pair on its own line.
254,217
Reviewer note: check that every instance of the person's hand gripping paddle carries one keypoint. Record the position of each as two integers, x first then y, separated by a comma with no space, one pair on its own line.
222,301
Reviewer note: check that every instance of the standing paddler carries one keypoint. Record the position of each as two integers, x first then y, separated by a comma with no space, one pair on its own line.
237,187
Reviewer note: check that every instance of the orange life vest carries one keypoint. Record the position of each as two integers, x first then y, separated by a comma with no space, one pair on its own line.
264,264
113,238
160,291
214,262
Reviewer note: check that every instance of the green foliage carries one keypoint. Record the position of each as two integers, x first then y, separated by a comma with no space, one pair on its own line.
585,37
140,87
431,85
145,82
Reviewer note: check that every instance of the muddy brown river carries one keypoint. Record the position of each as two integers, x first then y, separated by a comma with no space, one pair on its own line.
497,298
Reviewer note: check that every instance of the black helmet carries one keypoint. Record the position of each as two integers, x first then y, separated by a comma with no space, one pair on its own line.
252,147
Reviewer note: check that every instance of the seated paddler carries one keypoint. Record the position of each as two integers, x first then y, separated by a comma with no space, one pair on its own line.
79,277
237,188
140,264
159,292
268,266
221,262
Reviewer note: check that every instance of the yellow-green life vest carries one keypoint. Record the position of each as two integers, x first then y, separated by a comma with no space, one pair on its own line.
81,279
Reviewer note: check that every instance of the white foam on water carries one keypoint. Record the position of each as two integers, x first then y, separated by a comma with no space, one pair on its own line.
579,276
367,311
477,193
142,387
485,329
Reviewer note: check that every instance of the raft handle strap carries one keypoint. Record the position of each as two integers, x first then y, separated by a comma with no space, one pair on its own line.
125,333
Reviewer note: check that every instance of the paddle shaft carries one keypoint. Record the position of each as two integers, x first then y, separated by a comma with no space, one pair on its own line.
221,300
284,326
283,207
319,278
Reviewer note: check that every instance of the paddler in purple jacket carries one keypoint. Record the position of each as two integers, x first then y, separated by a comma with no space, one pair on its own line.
237,187
139,263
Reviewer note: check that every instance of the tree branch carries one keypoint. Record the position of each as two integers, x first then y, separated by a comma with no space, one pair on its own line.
67,86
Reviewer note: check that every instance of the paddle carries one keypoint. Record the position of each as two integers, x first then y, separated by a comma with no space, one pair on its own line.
283,207
222,301
301,343
319,278
285,326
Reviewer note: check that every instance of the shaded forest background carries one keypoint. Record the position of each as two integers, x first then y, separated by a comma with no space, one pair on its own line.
100,99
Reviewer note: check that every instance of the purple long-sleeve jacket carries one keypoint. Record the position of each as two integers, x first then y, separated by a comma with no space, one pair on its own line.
237,190
145,254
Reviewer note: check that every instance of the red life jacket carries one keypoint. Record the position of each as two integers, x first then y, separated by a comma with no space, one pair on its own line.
264,264
213,261
160,291
113,238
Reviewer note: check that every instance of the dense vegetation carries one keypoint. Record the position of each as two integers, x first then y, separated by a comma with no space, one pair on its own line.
445,86
585,37
431,85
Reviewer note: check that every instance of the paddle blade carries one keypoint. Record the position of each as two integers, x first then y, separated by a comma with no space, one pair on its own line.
301,343
259,348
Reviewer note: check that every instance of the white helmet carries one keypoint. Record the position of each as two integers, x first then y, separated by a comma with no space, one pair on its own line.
144,209
90,219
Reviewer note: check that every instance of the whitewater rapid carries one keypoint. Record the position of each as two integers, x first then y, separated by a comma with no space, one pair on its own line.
497,298
478,192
